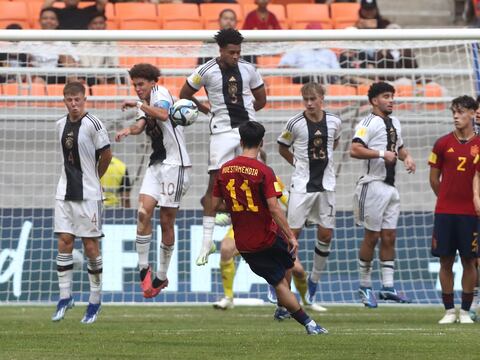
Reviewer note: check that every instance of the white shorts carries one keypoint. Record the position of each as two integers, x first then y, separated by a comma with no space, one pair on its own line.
311,208
166,183
223,147
79,218
376,206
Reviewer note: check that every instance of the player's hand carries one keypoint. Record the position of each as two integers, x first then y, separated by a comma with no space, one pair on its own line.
476,203
293,246
409,165
128,104
390,157
122,133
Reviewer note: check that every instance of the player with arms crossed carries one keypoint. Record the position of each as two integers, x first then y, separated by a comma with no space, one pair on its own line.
262,235
235,91
313,135
78,206
378,141
453,161
167,176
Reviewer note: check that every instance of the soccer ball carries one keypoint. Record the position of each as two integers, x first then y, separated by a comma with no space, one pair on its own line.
184,112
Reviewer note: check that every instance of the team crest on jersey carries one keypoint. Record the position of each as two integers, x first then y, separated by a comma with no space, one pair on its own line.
232,89
287,135
197,79
474,150
361,132
69,140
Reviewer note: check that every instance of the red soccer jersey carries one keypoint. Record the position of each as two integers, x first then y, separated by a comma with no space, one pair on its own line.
457,163
253,22
245,184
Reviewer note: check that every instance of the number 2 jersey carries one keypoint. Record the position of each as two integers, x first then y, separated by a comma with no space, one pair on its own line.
457,162
245,184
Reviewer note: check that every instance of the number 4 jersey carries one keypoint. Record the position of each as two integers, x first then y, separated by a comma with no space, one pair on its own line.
457,161
245,184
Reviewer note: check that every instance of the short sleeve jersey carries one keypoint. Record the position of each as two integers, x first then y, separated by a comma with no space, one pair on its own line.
457,162
229,91
80,142
382,134
168,140
312,145
245,184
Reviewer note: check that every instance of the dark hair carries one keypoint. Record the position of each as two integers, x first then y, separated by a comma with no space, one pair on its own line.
478,99
313,87
466,102
379,88
52,9
14,26
73,88
144,71
227,10
97,14
228,36
251,134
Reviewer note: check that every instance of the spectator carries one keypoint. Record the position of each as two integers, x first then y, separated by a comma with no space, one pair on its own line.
72,17
48,55
210,1
116,185
315,59
12,59
97,22
369,16
261,18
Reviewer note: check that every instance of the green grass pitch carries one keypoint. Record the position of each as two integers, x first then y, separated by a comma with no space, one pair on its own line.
201,332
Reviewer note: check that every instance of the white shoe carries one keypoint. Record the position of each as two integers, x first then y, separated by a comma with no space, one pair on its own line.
464,317
202,258
317,307
224,303
450,317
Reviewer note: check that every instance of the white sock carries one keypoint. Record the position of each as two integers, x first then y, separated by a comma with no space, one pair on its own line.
387,268
65,274
365,270
165,256
322,250
95,269
208,226
142,244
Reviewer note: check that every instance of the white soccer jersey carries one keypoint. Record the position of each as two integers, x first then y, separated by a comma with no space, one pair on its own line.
229,92
80,142
377,133
313,151
168,141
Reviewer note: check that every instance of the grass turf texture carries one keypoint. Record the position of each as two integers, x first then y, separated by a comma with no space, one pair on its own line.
201,332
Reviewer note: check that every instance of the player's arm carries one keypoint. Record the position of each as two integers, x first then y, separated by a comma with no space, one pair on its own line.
260,98
101,4
407,159
285,152
358,150
159,113
218,204
435,175
47,4
335,143
134,129
476,192
188,92
279,217
104,161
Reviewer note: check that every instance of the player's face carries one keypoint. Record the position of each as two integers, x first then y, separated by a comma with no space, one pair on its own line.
313,104
75,104
230,54
228,20
477,116
143,87
97,23
48,20
384,103
462,118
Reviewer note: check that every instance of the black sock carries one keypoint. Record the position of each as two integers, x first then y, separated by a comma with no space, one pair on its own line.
301,317
447,300
157,282
143,273
467,299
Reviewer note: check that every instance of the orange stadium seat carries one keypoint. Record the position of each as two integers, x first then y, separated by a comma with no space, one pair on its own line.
55,89
141,24
209,13
286,2
177,62
14,12
174,84
362,90
84,4
143,15
300,15
344,14
112,21
243,2
340,90
403,91
284,89
109,90
179,16
268,61
277,9
129,61
433,90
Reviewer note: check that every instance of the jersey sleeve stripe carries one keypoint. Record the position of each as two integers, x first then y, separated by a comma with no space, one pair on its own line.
368,120
208,65
95,122
258,87
282,143
291,123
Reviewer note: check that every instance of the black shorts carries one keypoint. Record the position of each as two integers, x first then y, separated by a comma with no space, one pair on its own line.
455,232
272,263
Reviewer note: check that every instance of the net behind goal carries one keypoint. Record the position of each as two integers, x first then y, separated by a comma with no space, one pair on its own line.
426,75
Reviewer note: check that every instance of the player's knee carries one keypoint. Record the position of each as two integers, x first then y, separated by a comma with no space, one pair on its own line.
143,214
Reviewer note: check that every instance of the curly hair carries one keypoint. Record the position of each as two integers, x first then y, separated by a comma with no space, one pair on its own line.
144,71
379,88
228,36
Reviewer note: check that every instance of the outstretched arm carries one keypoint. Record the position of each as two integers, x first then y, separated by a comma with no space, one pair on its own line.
135,129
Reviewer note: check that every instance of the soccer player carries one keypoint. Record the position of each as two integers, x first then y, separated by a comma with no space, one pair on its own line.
166,179
313,135
78,206
235,91
453,161
378,141
262,235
